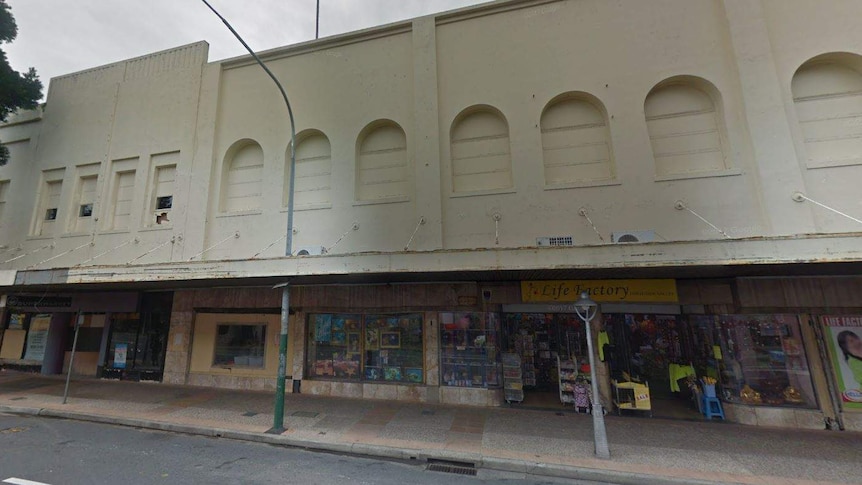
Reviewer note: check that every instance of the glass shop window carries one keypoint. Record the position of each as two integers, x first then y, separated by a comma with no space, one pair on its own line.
240,345
763,361
386,348
469,349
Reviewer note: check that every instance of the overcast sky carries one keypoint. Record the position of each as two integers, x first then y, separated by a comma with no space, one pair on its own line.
62,36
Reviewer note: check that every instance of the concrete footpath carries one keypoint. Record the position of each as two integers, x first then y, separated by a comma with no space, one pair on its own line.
644,450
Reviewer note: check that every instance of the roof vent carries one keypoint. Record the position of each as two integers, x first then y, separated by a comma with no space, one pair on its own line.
550,241
633,236
311,251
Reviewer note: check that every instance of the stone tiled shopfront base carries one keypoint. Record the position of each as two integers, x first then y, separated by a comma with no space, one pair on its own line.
777,417
407,393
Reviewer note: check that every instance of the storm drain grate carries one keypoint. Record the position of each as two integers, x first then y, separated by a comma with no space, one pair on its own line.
249,414
18,399
455,467
305,414
427,412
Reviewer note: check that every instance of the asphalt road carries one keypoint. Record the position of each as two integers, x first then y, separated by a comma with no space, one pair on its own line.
63,452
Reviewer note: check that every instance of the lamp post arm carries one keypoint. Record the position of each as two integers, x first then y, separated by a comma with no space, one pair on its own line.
289,248
278,414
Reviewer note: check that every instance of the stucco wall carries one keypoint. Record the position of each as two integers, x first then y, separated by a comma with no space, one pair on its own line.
511,58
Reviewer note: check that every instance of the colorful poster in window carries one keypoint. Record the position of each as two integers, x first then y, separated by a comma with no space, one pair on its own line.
37,337
16,321
322,328
844,334
121,351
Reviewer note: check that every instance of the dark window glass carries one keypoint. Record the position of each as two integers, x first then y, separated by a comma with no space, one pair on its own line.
164,202
240,345
86,210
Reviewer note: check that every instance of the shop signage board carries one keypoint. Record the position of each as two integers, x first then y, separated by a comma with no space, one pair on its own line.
37,337
602,291
844,334
120,353
39,301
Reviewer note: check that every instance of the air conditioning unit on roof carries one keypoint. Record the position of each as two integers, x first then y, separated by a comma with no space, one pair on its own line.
633,236
311,251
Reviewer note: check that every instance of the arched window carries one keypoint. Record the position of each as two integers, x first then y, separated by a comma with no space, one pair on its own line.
313,170
576,141
685,128
242,187
382,169
827,93
481,156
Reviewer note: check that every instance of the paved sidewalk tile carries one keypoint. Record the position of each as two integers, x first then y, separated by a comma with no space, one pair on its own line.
681,450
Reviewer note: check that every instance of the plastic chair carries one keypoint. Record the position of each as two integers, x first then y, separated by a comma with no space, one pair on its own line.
712,408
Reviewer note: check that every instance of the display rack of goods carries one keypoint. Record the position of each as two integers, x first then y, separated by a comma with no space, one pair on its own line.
567,375
513,384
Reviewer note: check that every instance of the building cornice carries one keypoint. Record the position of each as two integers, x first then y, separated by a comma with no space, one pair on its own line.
807,249
381,31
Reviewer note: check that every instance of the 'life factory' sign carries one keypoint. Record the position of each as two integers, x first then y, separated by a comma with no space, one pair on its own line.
643,291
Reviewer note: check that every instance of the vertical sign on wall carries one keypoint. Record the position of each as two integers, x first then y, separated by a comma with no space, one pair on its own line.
845,339
120,353
37,337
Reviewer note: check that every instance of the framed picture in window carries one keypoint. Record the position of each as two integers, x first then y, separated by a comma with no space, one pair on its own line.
413,375
322,328
372,341
373,373
390,340
339,338
392,373
353,342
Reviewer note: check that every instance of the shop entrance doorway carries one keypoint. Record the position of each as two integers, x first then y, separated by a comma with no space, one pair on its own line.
664,352
545,342
137,341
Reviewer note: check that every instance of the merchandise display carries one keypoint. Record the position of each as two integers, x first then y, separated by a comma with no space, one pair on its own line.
568,376
631,396
513,384
764,362
385,348
469,353
539,338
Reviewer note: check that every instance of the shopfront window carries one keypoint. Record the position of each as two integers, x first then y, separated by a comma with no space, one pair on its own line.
393,348
385,348
240,345
469,349
763,361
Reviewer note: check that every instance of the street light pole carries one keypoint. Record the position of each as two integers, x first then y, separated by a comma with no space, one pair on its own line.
278,417
586,310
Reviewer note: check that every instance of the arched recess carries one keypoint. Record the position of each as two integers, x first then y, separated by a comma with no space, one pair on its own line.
312,185
242,180
382,168
686,126
827,94
576,140
481,155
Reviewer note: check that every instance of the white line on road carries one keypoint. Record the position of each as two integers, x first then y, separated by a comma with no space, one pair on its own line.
21,481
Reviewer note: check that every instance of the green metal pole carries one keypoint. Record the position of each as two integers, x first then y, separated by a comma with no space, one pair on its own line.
278,417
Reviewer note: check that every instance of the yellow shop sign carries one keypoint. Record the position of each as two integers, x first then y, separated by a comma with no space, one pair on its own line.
642,291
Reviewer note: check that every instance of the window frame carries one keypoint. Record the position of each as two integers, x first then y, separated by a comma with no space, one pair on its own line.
407,374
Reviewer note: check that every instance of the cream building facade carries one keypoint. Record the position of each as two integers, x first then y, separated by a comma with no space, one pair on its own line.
436,159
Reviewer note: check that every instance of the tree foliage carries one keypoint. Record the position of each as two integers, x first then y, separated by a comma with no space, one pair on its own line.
17,91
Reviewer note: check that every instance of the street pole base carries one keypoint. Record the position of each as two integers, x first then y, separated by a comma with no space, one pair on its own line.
275,430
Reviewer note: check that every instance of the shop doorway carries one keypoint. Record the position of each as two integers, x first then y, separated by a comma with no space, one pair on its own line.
663,352
137,342
545,342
